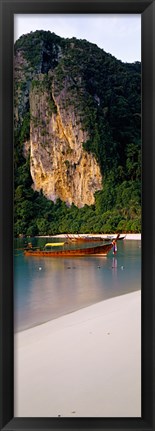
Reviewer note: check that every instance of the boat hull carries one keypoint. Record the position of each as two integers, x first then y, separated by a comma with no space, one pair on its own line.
102,250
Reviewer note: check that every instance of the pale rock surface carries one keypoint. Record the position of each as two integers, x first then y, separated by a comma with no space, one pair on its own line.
59,165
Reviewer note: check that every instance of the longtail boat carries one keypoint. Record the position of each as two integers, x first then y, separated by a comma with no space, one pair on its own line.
100,250
84,238
111,238
121,237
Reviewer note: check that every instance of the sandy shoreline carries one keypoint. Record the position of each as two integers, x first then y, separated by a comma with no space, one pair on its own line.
87,363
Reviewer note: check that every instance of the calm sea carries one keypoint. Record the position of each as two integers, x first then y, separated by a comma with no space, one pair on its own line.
46,288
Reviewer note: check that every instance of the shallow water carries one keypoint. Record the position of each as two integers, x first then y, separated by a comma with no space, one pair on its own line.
46,288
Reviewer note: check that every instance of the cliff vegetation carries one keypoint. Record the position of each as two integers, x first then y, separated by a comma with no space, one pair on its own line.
77,138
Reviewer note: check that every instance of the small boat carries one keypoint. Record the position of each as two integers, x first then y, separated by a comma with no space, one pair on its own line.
100,250
109,238
84,238
121,237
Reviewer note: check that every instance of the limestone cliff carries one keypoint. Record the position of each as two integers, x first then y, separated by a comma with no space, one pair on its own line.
59,165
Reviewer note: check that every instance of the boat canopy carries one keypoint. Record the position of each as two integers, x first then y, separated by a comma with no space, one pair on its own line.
54,244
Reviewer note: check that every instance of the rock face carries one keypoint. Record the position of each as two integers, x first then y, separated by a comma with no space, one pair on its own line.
59,165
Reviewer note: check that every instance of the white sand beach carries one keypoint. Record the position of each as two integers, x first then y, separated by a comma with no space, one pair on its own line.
84,364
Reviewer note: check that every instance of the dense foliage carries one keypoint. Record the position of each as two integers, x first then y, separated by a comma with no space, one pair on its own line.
109,106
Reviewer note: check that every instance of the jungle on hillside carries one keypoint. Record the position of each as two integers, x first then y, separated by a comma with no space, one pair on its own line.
77,126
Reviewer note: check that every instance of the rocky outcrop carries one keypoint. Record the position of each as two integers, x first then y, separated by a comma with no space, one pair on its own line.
59,165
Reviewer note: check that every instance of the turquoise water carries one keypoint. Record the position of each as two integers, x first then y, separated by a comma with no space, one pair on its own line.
46,288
